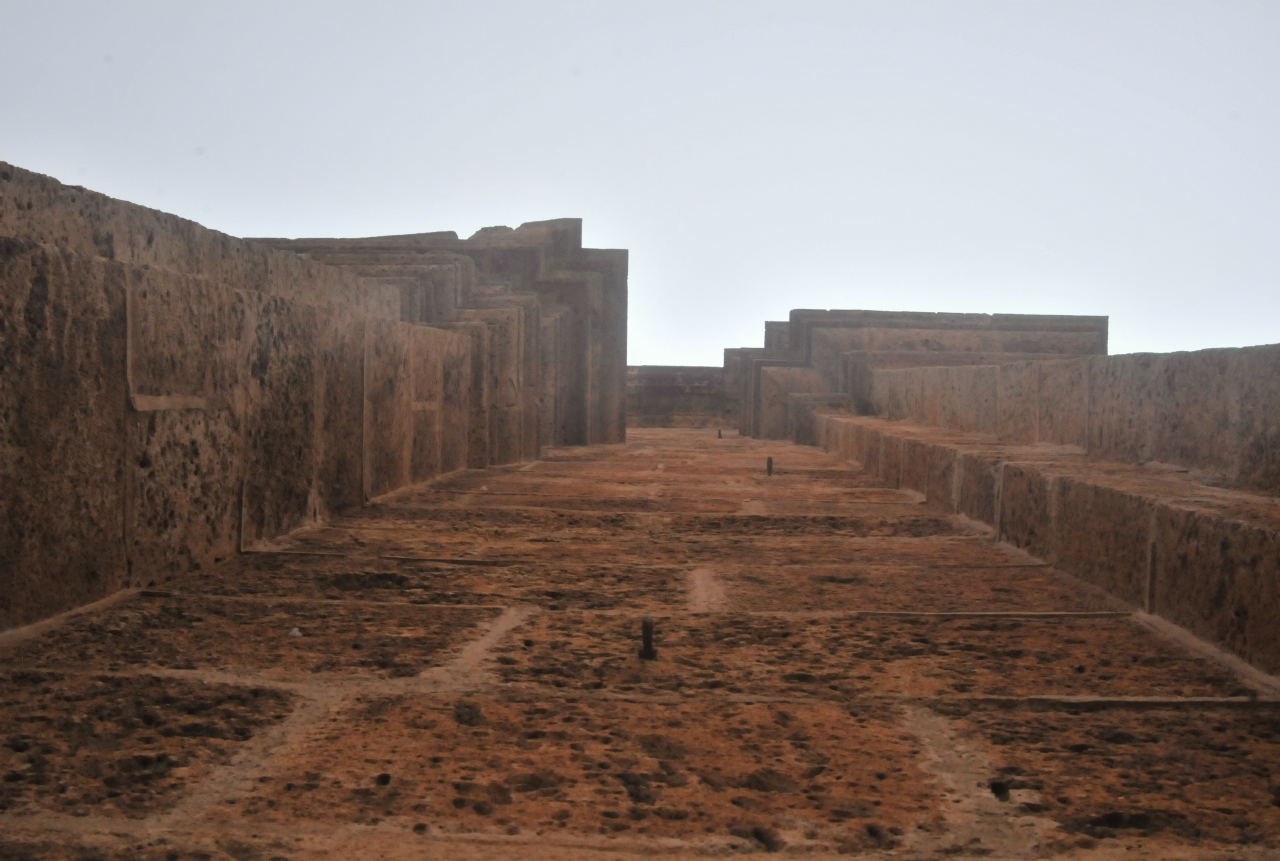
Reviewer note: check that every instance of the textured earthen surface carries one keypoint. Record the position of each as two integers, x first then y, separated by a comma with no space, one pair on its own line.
841,670
1157,538
1213,411
679,396
62,400
172,395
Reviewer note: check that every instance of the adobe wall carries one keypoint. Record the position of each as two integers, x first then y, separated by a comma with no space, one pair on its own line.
1205,558
170,395
545,259
479,395
777,335
823,340
147,413
678,396
506,380
737,370
829,345
1215,411
752,381
580,408
1156,477
777,384
803,322
37,208
858,368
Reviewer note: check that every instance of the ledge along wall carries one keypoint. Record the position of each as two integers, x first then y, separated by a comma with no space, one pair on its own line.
1155,476
171,395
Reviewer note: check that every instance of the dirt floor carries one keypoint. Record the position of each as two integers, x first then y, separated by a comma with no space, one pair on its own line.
454,672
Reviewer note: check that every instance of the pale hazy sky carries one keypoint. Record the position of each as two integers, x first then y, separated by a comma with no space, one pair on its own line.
1109,158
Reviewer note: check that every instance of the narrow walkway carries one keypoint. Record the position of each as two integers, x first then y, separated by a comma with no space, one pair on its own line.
453,672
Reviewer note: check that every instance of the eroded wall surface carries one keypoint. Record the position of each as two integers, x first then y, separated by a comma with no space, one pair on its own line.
573,295
1205,558
678,396
1155,477
170,395
845,348
1215,411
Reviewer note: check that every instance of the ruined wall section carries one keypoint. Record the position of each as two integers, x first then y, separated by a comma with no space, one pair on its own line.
777,385
63,401
738,369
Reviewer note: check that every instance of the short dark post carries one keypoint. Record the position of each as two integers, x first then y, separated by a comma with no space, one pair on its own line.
647,651
768,466
719,434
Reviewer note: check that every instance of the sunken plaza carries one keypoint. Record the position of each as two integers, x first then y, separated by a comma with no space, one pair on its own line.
377,548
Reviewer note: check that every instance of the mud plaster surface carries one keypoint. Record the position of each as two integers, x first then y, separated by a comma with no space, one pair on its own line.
497,707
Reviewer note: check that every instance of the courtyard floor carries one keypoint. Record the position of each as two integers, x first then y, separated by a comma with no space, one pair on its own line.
454,672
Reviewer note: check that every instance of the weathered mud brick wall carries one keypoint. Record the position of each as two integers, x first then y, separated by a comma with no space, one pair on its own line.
777,336
574,301
170,395
678,396
803,323
1213,411
777,384
63,400
506,380
1206,558
738,369
1153,476
1156,477
479,398
844,348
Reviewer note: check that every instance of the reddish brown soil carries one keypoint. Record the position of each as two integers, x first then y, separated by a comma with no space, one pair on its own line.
840,672
280,638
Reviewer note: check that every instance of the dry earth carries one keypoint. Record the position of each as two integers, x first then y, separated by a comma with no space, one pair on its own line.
453,672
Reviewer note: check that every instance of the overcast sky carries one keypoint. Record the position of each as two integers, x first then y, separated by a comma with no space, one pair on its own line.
1071,158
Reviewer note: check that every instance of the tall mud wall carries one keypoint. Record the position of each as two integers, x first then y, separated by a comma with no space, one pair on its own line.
1215,411
170,395
1205,558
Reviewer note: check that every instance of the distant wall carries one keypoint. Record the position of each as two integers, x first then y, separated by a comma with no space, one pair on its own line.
678,396
858,368
1217,411
738,371
824,341
804,322
541,266
777,385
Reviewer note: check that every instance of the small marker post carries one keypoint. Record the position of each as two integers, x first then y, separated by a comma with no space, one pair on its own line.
647,651
768,466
